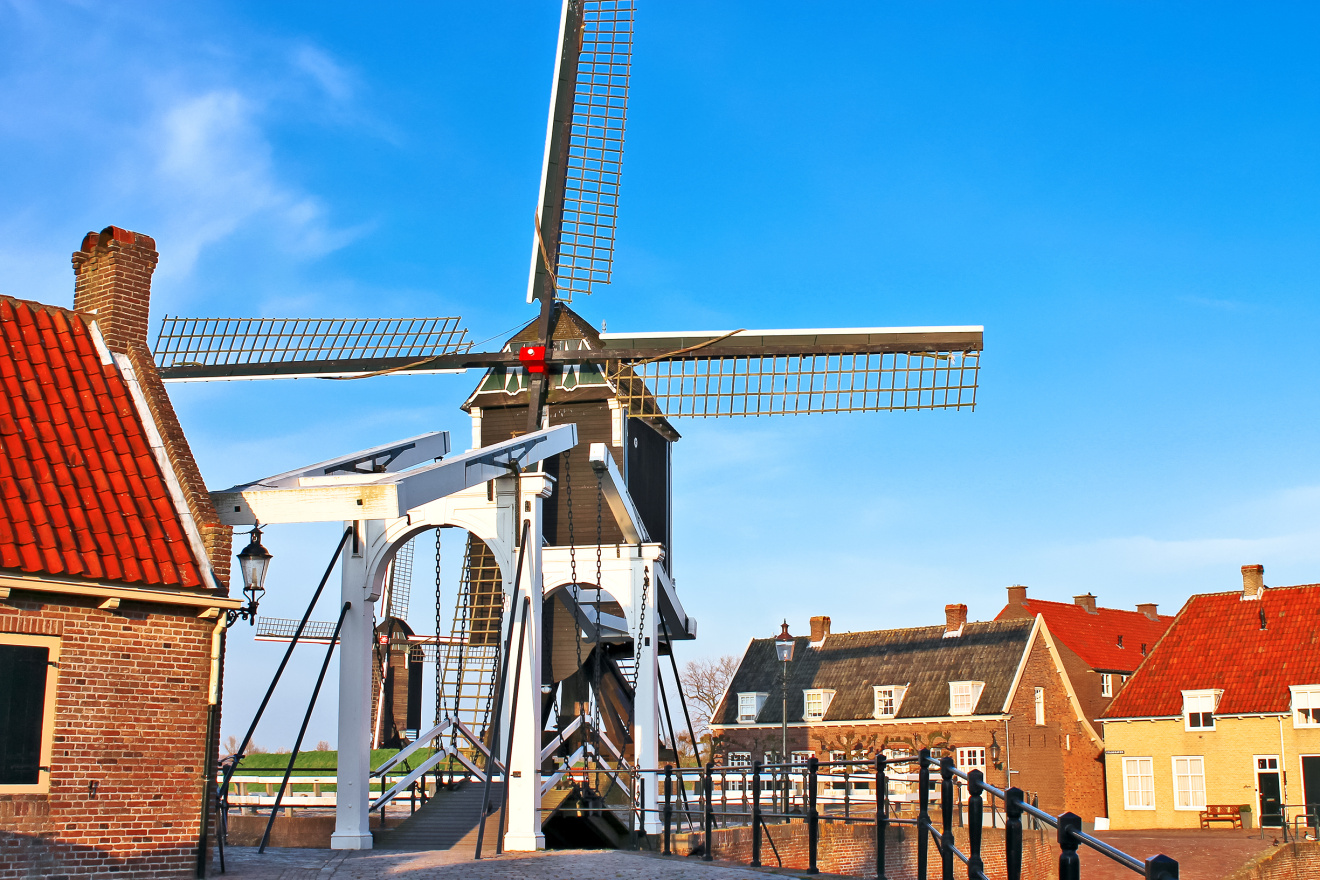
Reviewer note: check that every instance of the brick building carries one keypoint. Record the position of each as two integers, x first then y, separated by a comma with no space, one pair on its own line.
1225,711
1101,647
113,574
970,690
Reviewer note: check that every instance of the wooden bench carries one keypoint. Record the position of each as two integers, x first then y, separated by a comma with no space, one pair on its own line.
1221,813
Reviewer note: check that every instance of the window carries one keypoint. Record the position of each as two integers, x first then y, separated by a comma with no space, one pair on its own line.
1122,679
1306,705
970,759
1106,684
963,696
740,759
816,704
800,757
749,706
27,711
1040,705
1199,709
888,699
1139,783
1189,783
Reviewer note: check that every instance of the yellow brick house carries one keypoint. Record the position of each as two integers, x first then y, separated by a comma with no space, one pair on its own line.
1224,711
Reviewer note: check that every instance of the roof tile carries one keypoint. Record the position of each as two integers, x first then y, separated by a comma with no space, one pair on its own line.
1109,640
78,474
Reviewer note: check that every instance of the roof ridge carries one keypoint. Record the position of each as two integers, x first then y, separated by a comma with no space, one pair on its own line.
47,307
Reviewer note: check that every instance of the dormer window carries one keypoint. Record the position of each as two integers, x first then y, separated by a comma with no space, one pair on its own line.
816,703
1306,705
963,696
1199,709
749,706
888,699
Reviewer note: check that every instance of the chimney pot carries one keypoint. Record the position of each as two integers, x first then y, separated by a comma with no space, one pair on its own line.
1017,594
112,280
1253,581
1087,601
1148,609
820,628
954,618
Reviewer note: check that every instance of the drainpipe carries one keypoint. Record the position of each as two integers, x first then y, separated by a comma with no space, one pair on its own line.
208,763
1283,779
1008,760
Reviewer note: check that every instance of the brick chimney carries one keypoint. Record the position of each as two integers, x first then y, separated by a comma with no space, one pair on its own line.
113,281
1087,602
1253,581
954,618
1017,594
820,628
1148,609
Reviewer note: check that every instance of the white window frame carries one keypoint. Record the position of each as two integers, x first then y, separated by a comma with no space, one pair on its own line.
965,759
738,759
825,695
971,689
1305,699
1200,699
895,695
1106,684
1191,777
52,646
1142,777
757,701
1039,701
800,756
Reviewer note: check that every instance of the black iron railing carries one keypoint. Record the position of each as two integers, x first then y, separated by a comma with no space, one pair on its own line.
703,816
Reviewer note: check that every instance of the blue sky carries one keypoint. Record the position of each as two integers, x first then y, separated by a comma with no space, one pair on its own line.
1124,194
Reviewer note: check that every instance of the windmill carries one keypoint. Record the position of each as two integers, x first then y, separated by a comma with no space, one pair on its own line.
623,391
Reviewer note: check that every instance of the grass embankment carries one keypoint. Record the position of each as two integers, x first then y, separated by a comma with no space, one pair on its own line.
316,763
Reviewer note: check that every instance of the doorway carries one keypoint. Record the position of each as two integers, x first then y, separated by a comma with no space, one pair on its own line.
1269,791
1311,789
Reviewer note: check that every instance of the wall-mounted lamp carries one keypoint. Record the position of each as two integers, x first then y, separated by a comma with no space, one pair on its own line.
252,562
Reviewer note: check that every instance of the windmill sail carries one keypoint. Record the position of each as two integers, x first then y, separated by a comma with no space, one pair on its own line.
579,201
793,372
268,348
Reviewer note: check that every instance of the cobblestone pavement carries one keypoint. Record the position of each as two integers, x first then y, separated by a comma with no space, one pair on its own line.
243,863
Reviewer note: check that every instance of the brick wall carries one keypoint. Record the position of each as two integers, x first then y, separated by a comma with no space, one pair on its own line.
131,712
1291,861
850,849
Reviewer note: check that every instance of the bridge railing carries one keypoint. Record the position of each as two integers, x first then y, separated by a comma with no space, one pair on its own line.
930,773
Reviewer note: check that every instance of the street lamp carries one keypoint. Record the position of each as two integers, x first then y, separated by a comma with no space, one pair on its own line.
994,752
784,650
252,563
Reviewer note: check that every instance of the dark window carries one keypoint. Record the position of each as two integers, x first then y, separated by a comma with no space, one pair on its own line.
22,711
1201,719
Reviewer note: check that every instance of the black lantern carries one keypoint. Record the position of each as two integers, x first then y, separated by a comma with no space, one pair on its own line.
784,645
994,752
252,563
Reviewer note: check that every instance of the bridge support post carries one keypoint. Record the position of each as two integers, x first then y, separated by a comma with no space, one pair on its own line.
353,776
524,779
646,705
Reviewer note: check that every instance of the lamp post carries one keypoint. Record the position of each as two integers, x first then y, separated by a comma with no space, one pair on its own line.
252,563
784,650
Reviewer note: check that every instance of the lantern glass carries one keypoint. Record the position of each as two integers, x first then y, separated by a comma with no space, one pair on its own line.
784,645
253,562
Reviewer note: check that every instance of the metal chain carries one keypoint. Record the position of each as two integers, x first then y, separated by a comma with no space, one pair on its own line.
572,565
439,674
641,627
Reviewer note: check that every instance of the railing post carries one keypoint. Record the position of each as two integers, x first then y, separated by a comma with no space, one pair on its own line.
813,817
975,865
756,814
923,813
1070,867
881,815
1013,834
708,792
641,809
946,814
847,791
1161,868
669,806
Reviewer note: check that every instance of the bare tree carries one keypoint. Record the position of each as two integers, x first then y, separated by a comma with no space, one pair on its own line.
704,684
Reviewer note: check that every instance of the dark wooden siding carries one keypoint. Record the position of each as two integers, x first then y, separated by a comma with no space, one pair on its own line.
648,480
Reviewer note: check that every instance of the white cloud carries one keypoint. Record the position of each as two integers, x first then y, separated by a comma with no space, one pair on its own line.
213,173
334,79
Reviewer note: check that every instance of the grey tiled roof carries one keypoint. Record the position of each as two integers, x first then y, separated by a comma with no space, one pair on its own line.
851,664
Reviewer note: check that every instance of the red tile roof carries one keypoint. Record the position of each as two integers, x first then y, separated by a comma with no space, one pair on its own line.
81,493
1216,642
1095,637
